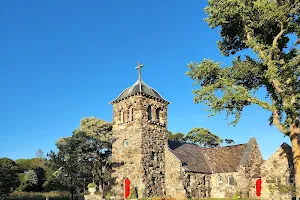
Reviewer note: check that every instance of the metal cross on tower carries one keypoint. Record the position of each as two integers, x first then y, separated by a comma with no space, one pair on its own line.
140,65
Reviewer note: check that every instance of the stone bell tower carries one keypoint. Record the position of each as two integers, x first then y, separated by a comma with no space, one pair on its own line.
139,129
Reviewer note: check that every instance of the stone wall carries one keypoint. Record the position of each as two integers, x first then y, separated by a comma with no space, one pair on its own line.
277,175
174,176
197,185
250,170
225,189
139,148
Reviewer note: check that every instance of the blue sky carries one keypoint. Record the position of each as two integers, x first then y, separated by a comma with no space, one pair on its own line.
61,61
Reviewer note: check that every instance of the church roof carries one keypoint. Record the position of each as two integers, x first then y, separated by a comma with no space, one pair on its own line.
224,159
208,160
190,156
139,87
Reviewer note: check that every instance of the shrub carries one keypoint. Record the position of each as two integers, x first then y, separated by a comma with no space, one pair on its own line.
39,196
92,185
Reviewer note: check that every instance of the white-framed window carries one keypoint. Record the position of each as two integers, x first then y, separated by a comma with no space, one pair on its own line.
230,180
219,181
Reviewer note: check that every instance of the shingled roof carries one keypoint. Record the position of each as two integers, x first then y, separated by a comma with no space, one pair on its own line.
224,159
191,156
210,160
139,87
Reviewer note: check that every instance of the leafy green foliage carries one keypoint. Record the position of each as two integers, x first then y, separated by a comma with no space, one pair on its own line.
28,164
96,127
176,137
37,165
203,137
8,177
92,185
100,133
265,27
38,196
229,141
72,170
83,157
270,29
31,178
133,193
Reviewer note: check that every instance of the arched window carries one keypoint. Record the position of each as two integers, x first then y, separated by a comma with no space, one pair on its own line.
149,113
219,181
122,116
125,143
158,114
130,114
230,180
152,155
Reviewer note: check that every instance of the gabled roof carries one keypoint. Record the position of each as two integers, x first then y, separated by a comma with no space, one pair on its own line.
224,159
139,87
191,156
209,160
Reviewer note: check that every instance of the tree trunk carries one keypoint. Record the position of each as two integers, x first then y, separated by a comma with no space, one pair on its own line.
100,188
295,140
103,189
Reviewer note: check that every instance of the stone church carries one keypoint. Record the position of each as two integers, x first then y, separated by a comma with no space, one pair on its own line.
153,166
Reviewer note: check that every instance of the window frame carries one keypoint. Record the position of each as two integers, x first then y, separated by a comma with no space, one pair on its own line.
219,180
157,114
149,112
130,114
122,116
228,180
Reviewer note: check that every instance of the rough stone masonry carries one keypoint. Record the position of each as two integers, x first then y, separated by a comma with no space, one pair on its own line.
155,166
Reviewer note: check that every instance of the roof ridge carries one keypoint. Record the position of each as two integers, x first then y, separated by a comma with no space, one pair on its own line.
224,146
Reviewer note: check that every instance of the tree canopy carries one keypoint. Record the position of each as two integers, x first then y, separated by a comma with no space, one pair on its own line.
84,157
8,177
203,137
176,137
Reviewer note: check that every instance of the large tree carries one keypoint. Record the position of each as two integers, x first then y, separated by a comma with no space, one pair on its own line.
71,169
203,137
83,157
8,177
270,29
100,135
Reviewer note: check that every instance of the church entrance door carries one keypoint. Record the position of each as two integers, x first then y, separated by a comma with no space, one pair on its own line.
258,187
126,188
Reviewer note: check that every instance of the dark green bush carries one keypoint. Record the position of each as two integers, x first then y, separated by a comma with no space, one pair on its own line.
39,196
